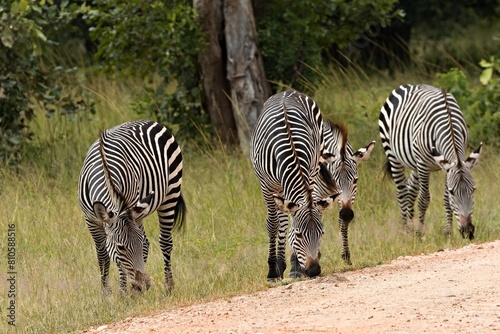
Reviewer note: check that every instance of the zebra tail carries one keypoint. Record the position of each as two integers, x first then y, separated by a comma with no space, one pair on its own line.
386,167
180,213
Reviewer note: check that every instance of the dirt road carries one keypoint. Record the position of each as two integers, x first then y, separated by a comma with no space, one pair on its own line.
452,291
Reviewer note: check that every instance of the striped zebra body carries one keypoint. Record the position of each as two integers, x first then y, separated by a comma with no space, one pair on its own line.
422,128
286,147
133,170
343,165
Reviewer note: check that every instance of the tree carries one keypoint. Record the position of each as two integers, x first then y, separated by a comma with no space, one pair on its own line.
234,64
209,51
296,36
213,70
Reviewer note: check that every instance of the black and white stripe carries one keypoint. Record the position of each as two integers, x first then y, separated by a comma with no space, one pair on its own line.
422,128
286,148
343,165
133,170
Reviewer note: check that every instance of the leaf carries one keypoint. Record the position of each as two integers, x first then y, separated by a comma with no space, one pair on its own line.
486,76
19,7
7,39
40,34
485,64
16,140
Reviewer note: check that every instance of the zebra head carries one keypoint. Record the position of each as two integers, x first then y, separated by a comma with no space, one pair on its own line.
343,165
306,231
460,188
125,239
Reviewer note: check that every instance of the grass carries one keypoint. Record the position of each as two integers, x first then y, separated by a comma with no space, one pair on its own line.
223,250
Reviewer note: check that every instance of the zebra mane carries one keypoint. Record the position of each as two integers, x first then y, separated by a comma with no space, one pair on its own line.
450,124
117,198
340,130
295,156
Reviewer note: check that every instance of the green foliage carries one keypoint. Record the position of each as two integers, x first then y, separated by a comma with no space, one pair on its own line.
439,28
479,103
293,35
148,38
25,78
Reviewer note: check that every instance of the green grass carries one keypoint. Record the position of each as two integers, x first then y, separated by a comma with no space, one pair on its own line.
223,249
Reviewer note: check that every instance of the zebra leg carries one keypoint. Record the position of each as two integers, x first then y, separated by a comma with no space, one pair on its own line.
424,196
412,186
295,271
449,212
276,258
103,259
166,219
397,171
123,280
272,231
145,253
346,254
281,260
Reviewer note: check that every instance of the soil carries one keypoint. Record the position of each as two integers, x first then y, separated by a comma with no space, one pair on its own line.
450,291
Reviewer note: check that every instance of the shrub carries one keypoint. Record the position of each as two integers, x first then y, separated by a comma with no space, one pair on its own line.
480,103
27,79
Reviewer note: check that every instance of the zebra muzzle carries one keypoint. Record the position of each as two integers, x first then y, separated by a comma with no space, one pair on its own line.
346,214
142,282
312,268
466,227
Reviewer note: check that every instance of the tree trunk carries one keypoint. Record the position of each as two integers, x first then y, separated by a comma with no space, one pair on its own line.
245,68
234,81
213,71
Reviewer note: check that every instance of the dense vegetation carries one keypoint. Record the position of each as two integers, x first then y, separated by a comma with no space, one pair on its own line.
57,110
48,47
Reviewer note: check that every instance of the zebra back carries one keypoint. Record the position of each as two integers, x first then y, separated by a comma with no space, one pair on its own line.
127,163
286,145
416,118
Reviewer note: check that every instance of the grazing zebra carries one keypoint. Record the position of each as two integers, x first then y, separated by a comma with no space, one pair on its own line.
132,170
286,147
343,165
422,127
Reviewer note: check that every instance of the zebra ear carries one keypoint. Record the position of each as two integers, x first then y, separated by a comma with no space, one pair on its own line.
363,153
327,157
326,203
441,161
285,206
474,157
142,205
102,213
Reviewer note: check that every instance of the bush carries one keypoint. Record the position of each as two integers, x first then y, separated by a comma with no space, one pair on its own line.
27,80
480,103
151,39
295,35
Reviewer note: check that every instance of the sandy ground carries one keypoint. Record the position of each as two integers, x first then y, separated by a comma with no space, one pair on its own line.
451,291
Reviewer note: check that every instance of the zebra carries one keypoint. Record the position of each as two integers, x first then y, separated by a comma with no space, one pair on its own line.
422,128
286,148
131,171
343,165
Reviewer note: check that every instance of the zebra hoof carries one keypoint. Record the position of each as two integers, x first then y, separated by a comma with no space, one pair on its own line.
347,258
138,288
295,274
273,279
